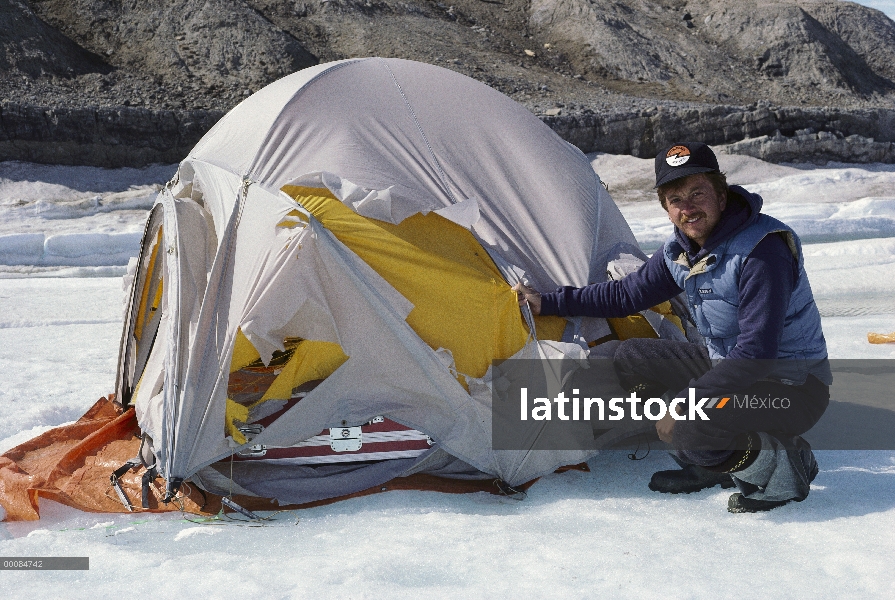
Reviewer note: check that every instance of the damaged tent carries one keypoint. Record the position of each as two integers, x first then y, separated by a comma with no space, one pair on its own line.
323,286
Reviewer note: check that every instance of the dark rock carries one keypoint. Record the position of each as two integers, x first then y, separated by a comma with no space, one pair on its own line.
643,133
817,148
635,77
108,137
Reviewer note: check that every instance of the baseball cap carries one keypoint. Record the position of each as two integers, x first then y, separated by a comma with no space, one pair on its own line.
682,159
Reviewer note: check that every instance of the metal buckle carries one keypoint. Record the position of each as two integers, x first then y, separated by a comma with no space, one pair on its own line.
345,439
256,450
250,431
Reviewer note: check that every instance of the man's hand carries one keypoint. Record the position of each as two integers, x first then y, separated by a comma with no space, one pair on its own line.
665,425
665,428
526,294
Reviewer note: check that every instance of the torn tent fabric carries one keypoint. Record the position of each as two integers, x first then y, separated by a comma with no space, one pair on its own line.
332,264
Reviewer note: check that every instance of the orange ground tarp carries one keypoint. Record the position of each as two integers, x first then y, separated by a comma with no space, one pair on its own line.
72,464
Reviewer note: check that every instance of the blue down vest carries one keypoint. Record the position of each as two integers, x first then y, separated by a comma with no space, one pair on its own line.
712,289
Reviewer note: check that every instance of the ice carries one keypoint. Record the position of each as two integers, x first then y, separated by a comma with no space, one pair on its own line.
576,534
818,185
853,277
194,531
84,249
847,336
52,218
820,221
822,204
22,246
632,179
30,182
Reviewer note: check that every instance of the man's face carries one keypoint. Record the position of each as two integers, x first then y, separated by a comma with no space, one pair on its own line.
695,207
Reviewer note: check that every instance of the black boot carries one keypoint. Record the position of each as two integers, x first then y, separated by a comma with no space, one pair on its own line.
690,478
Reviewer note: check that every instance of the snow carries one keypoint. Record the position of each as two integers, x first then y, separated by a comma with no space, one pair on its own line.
59,321
84,217
601,533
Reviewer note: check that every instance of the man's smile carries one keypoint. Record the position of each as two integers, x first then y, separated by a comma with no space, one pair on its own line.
695,207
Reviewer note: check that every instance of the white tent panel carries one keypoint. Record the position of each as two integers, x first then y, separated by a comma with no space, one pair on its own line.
235,141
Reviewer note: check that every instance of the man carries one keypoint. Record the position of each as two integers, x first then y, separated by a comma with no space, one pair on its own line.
743,277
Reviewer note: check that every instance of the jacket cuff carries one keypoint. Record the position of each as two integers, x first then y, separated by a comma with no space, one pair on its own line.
550,304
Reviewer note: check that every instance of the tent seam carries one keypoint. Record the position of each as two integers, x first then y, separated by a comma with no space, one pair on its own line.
419,127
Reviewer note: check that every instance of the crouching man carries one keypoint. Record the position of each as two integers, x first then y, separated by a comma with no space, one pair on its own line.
743,277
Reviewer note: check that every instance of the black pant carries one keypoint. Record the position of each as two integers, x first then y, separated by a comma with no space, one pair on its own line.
764,405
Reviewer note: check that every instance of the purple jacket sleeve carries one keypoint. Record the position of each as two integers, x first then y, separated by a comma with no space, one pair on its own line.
646,287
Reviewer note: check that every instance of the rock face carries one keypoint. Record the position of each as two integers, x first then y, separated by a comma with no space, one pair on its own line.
122,82
215,46
644,133
29,48
810,146
798,52
107,137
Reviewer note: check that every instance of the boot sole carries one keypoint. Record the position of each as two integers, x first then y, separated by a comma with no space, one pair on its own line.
735,506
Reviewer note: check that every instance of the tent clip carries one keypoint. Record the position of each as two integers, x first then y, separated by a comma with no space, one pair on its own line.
250,431
509,491
254,451
226,501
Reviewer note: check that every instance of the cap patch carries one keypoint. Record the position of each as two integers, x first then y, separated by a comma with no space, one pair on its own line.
677,156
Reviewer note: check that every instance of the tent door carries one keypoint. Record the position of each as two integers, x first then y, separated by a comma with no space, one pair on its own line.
144,310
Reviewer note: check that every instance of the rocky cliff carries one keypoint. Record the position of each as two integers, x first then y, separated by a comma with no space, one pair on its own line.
122,82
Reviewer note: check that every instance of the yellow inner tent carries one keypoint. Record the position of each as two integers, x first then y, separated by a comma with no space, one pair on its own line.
461,301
